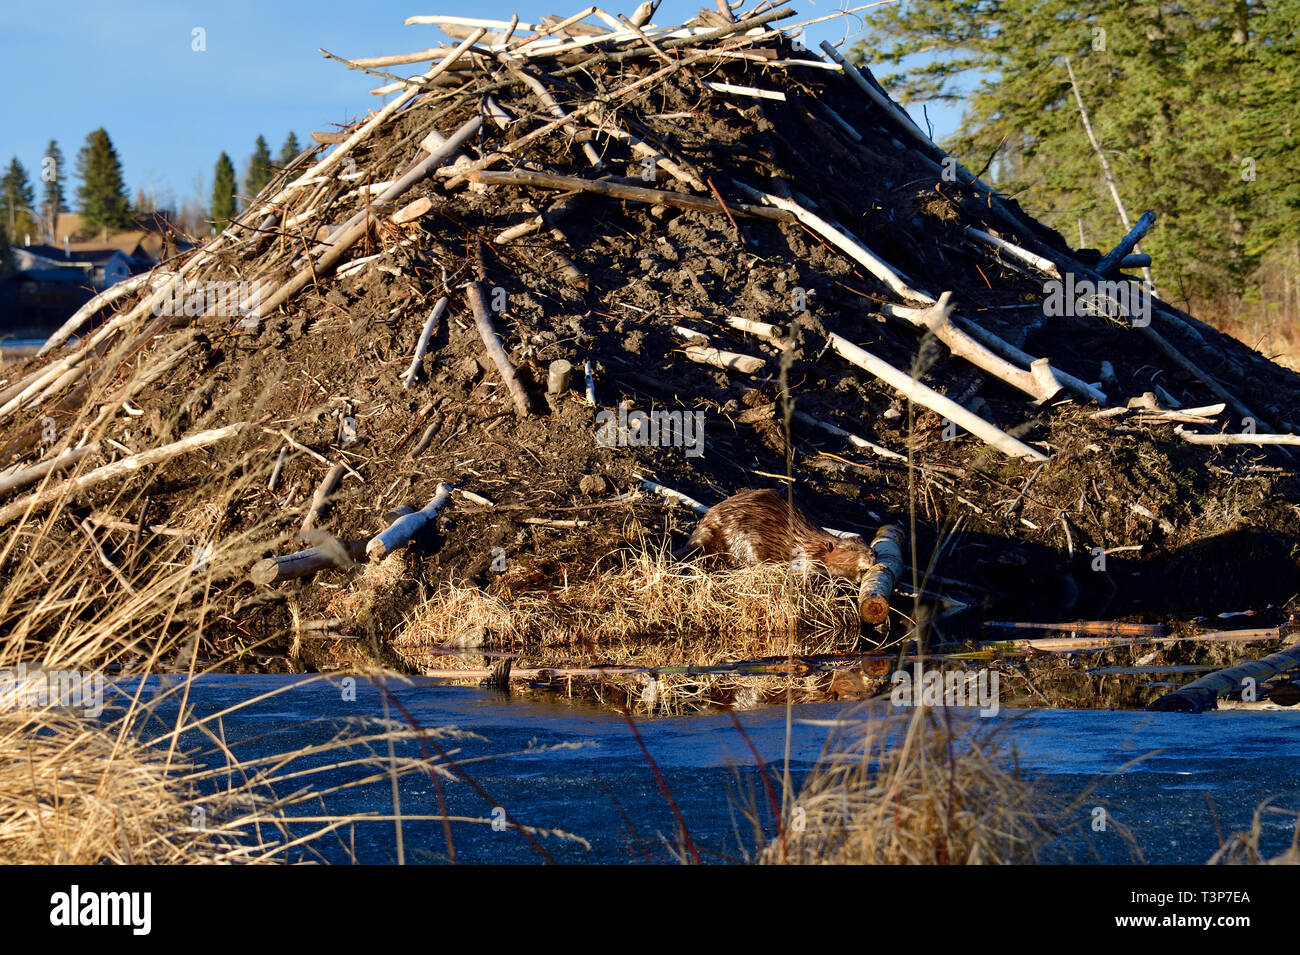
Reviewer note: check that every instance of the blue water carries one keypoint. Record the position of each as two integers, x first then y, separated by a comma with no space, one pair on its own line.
1194,771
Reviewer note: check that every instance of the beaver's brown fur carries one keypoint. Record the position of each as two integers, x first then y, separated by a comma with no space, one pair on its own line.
754,527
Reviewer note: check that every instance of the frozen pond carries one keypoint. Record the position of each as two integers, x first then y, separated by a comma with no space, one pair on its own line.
1200,770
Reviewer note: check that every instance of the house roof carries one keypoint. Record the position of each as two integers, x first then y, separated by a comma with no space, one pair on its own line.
92,253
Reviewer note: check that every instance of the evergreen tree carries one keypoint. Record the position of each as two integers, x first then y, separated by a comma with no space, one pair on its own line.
223,193
102,194
53,200
17,201
1193,103
260,170
290,150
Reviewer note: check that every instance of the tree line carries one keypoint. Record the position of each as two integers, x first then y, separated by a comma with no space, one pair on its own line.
1193,104
101,196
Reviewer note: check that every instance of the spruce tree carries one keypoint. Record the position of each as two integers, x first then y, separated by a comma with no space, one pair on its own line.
1193,103
17,201
102,193
223,193
53,200
259,171
290,150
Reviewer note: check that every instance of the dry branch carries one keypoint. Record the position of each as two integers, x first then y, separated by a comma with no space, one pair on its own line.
64,461
117,469
620,191
430,326
523,406
728,360
1038,382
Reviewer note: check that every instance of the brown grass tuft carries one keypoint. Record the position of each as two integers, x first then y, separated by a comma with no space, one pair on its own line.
1244,848
927,788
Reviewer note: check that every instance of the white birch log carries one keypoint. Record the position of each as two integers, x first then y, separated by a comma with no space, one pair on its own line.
889,276
527,227
772,333
667,492
352,235
616,190
274,479
87,311
878,584
399,533
117,469
644,11
1038,382
430,326
1192,437
753,91
555,28
902,120
1044,265
1085,390
853,439
590,375
543,94
411,211
728,360
926,396
440,20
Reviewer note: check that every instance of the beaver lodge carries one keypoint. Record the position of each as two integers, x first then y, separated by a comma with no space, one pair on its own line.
446,396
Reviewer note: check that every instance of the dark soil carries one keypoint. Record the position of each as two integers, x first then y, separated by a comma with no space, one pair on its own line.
1206,529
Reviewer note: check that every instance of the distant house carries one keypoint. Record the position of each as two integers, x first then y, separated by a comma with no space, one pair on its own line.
51,281
100,266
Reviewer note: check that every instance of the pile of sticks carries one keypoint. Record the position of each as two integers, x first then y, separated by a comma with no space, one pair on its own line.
510,132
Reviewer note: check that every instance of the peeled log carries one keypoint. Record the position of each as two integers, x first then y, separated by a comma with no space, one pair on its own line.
400,532
926,396
878,584
523,407
1203,694
336,553
729,360
117,469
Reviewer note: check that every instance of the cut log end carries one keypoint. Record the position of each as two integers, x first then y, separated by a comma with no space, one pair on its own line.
873,609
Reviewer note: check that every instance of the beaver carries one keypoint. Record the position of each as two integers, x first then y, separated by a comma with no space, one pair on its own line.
754,527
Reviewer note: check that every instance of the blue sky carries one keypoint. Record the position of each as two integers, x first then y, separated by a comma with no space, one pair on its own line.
171,110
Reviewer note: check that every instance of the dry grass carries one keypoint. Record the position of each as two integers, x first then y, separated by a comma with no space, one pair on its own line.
930,787
645,611
645,596
73,791
1245,848
123,788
